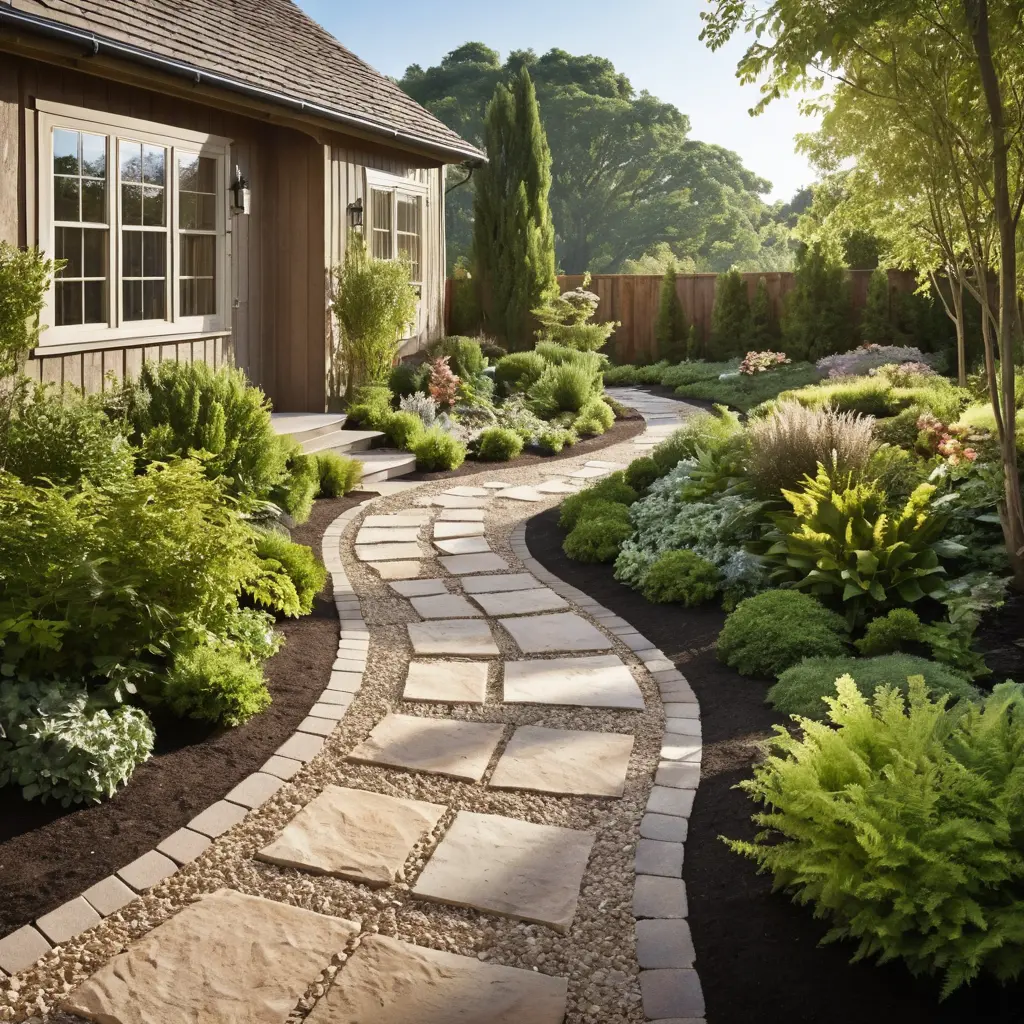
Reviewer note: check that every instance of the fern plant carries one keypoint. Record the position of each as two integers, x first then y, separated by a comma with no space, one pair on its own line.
903,824
844,543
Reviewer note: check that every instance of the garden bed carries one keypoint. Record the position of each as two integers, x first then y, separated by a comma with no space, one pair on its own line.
757,953
49,854
623,429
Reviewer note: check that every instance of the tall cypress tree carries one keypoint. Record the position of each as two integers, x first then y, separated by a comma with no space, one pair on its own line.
513,237
670,326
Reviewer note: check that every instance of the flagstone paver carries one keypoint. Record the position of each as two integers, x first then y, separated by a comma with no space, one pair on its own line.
387,981
508,867
403,519
355,834
439,746
442,531
446,682
398,570
520,602
602,681
567,761
461,565
453,501
444,606
522,493
567,631
463,637
419,588
468,492
387,552
391,535
463,545
461,515
229,958
557,487
497,584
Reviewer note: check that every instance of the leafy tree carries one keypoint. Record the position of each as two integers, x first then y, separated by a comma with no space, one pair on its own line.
627,177
670,327
817,318
513,237
730,317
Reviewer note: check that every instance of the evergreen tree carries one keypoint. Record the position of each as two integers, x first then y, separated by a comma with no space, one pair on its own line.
730,317
818,320
876,320
764,328
670,327
513,236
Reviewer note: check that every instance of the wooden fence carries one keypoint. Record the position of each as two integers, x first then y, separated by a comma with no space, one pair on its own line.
632,299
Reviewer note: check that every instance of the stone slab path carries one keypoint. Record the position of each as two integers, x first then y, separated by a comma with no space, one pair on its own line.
482,819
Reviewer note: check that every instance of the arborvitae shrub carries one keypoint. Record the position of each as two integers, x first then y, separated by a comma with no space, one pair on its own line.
768,633
693,343
435,450
681,576
670,327
818,320
730,317
764,327
498,444
338,474
876,324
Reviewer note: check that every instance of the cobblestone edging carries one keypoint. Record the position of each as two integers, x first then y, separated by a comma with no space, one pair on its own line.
27,945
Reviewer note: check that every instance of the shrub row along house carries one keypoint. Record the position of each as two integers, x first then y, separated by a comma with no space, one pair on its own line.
199,169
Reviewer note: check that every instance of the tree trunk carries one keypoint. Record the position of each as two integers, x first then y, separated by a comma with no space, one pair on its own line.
1011,510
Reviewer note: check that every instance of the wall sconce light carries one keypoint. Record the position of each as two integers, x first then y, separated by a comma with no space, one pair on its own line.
355,212
242,193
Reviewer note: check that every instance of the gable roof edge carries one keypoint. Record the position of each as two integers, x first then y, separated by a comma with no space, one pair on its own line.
96,44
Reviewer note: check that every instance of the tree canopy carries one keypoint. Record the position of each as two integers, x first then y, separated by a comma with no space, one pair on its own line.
627,178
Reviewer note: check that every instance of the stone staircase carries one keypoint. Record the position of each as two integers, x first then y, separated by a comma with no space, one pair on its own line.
324,432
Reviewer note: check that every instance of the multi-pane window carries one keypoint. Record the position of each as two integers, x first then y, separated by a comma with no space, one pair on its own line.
139,215
396,220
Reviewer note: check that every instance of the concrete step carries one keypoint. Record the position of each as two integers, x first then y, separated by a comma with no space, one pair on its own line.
385,464
304,426
344,442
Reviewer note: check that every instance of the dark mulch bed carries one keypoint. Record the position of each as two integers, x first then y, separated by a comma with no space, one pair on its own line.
49,854
1001,637
623,429
757,953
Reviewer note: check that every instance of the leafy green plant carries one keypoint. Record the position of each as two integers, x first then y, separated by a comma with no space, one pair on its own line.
58,745
895,470
563,388
251,633
704,431
641,473
596,413
597,537
374,303
402,429
889,633
731,325
554,439
844,543
518,371
499,444
902,825
297,564
216,685
301,484
436,450
465,356
339,474
371,407
802,689
681,576
771,632
612,488
177,408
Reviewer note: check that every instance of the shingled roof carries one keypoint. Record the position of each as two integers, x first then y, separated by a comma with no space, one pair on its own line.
269,45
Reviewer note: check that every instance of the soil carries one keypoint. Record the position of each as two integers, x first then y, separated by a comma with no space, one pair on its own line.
1001,637
49,854
758,954
623,429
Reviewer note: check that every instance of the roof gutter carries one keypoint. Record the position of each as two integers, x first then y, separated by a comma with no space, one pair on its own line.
95,45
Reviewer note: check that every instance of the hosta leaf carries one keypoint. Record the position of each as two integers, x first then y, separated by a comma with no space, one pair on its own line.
910,591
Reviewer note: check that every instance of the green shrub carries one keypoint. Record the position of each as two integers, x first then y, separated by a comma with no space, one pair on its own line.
801,690
518,371
601,508
901,429
553,440
641,473
338,474
770,632
465,357
844,542
764,328
498,444
371,407
63,438
56,744
402,429
563,388
560,355
890,633
291,563
297,492
681,576
731,325
251,633
745,392
902,827
600,412
216,685
704,431
613,488
596,538
651,374
435,450
670,326
175,408
406,379
896,471
565,319
693,371
818,317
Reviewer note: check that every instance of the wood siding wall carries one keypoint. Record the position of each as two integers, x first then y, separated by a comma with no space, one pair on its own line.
280,255
632,299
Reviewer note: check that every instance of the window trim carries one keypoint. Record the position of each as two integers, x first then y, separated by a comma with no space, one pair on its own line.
380,181
173,140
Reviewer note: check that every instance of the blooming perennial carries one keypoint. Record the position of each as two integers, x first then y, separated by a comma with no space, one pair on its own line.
760,362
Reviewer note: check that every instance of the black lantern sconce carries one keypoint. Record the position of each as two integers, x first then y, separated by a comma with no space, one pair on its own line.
355,212
242,193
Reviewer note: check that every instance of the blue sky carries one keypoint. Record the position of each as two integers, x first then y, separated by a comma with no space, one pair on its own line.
654,42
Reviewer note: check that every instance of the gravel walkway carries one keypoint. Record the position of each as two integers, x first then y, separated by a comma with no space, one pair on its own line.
542,875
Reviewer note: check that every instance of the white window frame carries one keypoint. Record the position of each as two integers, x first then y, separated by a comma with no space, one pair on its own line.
173,140
379,181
